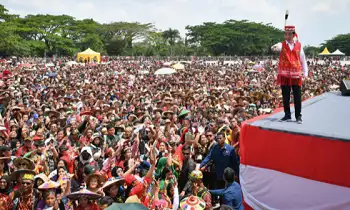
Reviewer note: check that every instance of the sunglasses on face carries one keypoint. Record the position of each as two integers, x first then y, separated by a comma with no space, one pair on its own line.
26,183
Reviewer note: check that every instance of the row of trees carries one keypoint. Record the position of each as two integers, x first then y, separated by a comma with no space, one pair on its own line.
39,35
341,42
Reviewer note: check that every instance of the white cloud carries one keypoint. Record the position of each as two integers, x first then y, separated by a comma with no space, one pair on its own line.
316,20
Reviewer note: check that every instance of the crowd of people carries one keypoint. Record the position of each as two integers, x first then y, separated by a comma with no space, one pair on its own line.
86,136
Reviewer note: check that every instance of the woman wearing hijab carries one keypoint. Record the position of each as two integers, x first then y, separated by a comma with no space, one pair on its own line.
5,190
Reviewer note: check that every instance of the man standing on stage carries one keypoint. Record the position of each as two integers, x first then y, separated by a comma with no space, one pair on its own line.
292,67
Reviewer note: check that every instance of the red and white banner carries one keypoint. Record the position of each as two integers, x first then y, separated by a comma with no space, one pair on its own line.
269,189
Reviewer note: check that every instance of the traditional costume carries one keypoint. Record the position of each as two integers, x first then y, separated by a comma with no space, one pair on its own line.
291,68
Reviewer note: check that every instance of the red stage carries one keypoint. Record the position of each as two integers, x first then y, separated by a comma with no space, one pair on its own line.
285,165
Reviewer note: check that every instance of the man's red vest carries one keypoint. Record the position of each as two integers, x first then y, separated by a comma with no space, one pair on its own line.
289,67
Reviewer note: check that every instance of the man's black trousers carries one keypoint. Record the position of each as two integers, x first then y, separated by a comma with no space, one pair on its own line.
286,99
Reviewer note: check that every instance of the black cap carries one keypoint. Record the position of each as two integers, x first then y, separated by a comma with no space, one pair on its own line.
4,149
110,126
39,143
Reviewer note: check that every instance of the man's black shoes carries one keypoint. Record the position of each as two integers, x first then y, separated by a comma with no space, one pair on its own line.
286,119
299,120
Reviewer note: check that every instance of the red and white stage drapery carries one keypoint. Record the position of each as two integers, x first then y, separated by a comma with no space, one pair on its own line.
281,170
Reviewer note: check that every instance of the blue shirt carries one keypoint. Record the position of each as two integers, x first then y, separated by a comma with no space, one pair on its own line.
222,158
231,195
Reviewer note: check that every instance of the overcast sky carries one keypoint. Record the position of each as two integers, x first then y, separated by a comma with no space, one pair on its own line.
315,20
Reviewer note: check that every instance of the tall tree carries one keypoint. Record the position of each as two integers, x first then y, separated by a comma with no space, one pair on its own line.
171,36
234,37
311,50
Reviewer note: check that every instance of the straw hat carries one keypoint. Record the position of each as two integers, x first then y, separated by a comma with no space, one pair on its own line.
99,177
133,199
5,158
84,193
49,185
21,160
192,203
166,113
42,176
52,113
112,182
14,175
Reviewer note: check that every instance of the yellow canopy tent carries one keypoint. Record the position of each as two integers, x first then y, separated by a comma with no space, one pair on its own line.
89,55
325,52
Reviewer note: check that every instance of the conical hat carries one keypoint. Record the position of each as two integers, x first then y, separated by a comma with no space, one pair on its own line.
49,185
192,203
84,192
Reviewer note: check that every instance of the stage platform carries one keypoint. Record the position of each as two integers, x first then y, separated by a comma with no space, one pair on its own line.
285,165
327,115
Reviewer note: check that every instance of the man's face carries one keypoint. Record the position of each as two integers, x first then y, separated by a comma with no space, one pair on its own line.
186,123
27,185
221,140
111,131
172,148
288,36
40,148
186,154
233,123
89,133
27,143
54,128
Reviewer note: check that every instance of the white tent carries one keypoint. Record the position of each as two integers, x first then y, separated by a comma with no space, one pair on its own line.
337,52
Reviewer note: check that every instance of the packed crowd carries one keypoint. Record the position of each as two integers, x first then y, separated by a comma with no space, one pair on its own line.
87,136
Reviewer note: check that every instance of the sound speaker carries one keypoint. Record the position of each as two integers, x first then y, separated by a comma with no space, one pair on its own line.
345,87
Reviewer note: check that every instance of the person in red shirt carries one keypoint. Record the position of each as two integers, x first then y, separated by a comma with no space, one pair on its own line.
66,157
27,147
85,204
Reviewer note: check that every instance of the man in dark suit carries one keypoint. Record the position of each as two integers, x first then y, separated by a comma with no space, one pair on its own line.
223,156
188,166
